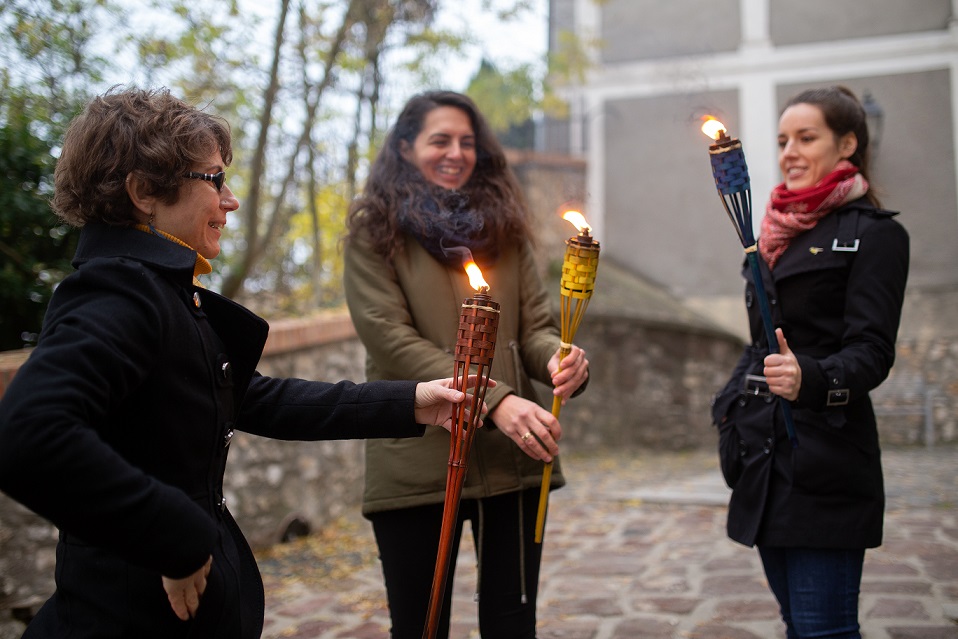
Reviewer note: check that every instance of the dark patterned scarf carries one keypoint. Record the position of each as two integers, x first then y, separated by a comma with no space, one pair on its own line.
445,223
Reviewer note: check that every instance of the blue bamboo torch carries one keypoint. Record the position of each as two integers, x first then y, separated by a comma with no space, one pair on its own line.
735,191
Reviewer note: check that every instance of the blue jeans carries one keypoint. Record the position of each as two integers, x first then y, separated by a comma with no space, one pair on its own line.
817,590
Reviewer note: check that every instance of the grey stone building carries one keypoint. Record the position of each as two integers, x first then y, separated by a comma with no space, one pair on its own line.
659,66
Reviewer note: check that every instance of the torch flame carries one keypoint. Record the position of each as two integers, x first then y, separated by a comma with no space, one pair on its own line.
577,220
476,280
713,128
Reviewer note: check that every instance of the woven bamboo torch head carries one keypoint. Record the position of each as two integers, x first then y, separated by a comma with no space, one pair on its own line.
478,325
581,259
728,158
478,322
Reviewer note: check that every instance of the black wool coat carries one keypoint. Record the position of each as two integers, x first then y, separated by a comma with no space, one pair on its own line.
839,311
117,430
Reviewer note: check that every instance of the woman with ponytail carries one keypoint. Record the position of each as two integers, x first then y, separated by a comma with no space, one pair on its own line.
835,266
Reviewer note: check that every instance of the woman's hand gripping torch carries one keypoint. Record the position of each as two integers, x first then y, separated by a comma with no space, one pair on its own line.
475,346
734,189
578,280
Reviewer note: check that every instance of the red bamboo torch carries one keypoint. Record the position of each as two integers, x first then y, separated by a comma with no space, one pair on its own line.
475,345
578,280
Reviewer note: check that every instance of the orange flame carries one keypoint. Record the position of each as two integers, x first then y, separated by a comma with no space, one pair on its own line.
713,128
476,280
577,220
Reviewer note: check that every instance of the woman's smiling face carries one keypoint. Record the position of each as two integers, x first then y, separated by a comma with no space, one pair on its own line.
808,148
199,215
445,149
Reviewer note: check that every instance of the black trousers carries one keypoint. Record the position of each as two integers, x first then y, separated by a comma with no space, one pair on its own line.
503,529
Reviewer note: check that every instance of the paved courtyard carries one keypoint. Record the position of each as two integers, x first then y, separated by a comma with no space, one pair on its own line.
636,548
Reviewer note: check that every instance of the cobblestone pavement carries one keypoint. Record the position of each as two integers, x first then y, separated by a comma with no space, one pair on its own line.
635,549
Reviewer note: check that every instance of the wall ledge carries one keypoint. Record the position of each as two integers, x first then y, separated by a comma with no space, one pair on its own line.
285,336
524,157
293,334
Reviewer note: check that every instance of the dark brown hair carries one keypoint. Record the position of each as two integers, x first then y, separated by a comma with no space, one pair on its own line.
394,183
843,114
147,133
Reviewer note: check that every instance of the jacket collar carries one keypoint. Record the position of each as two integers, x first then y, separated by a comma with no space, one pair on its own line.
812,250
103,240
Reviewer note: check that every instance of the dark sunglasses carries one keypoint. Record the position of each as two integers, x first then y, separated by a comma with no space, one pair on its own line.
218,179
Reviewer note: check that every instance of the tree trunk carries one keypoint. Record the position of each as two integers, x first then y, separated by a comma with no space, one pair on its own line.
234,280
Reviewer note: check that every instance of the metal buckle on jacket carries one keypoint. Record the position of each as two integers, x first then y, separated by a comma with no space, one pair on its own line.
756,385
845,246
837,397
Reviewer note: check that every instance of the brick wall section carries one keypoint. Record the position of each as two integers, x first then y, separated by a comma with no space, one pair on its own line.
10,361
295,334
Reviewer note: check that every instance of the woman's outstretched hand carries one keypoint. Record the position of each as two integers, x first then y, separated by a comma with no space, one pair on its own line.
436,400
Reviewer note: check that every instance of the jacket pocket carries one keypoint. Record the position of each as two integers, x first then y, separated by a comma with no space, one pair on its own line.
833,461
731,447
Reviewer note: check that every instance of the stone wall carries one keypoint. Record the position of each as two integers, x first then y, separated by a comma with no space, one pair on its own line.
650,385
918,403
278,489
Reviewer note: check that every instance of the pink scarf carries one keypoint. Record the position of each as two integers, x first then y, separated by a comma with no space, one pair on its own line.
788,214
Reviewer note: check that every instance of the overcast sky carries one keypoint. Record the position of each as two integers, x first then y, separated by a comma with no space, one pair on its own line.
507,44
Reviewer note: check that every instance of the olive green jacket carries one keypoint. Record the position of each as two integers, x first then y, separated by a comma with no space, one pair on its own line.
407,316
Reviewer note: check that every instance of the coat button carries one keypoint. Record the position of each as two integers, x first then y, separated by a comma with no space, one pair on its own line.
196,300
227,438
222,504
225,370
742,448
767,448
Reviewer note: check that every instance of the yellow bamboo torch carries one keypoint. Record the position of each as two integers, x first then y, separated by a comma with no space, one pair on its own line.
578,280
475,346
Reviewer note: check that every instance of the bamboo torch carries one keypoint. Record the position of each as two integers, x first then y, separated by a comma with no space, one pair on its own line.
734,188
475,346
578,281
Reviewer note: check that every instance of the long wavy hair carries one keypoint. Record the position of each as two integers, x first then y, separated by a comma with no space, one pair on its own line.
395,184
843,114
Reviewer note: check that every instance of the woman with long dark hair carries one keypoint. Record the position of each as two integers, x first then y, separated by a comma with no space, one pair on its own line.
440,184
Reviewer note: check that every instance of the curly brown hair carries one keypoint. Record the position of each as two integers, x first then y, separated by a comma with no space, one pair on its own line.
149,134
395,184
